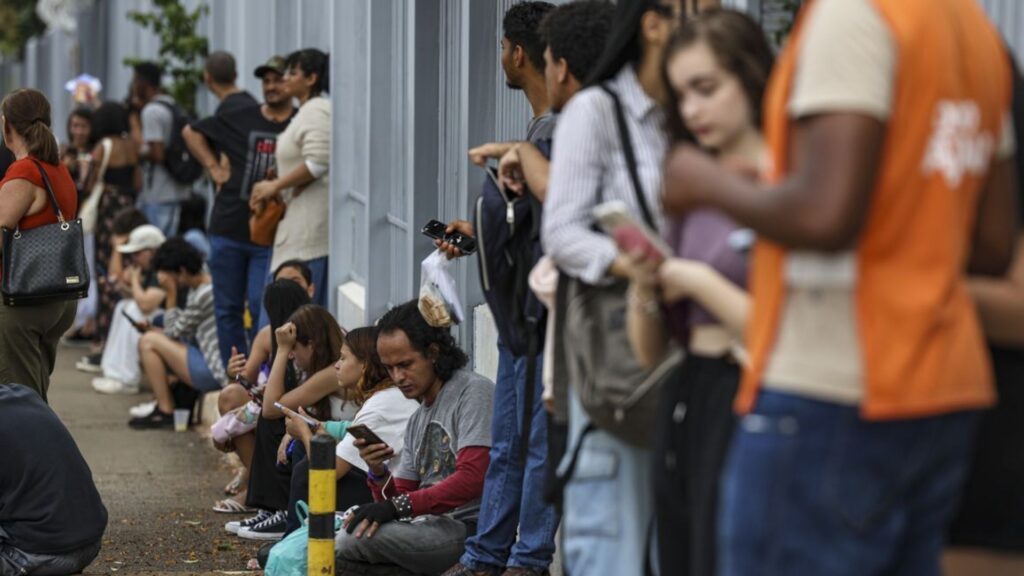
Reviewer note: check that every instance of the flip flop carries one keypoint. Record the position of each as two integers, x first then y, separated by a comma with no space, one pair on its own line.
231,506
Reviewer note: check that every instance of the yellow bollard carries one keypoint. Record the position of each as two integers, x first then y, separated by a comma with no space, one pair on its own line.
322,499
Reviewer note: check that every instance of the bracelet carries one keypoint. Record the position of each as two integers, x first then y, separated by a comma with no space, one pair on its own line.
650,306
377,479
403,506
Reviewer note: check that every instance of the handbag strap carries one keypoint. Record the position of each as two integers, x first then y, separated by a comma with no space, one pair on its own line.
49,191
628,152
108,145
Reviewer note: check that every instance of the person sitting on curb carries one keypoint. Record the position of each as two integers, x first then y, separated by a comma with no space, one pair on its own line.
440,475
51,516
187,347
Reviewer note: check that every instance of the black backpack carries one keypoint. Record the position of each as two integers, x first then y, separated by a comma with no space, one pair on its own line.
180,164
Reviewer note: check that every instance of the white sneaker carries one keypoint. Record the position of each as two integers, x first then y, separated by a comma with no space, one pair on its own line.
90,364
111,386
143,409
236,525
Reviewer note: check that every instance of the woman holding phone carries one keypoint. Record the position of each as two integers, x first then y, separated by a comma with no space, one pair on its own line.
717,67
383,412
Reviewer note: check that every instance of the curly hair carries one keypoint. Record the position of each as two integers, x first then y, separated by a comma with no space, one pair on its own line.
435,343
363,344
521,26
578,33
176,254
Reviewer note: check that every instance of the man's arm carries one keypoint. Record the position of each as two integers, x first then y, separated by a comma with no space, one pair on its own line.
220,172
996,225
1000,303
822,206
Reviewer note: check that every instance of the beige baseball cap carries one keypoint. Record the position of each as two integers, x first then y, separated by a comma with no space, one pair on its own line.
145,237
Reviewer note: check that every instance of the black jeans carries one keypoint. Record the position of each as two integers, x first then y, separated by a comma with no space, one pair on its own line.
352,489
695,427
268,484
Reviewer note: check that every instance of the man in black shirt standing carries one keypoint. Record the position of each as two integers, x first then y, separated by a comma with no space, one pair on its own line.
237,146
51,516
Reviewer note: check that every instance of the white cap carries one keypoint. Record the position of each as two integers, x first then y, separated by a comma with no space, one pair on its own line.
145,237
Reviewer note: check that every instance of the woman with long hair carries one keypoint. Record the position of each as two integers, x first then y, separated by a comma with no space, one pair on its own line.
717,67
29,334
609,511
382,408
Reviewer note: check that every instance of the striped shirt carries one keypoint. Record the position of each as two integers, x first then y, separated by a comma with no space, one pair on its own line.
196,322
588,168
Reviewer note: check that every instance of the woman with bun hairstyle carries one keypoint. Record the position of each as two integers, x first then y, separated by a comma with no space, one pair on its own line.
29,333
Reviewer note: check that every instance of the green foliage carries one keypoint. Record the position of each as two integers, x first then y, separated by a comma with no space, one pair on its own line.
19,23
181,48
791,8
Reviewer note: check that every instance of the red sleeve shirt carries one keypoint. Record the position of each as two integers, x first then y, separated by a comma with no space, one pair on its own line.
63,188
464,485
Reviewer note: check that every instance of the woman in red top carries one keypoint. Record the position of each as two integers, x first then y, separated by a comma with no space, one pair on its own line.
29,334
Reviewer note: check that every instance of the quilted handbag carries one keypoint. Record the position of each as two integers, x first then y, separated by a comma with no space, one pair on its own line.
46,263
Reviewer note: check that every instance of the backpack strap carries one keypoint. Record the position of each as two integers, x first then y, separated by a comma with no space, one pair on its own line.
628,152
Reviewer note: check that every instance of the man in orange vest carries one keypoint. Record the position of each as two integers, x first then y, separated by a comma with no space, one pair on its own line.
890,176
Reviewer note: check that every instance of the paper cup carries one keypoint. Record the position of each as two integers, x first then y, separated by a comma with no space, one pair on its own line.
181,419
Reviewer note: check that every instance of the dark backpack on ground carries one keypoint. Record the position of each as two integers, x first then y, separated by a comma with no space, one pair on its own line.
180,164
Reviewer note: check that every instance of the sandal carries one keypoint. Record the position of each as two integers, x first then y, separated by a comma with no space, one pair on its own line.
231,506
237,485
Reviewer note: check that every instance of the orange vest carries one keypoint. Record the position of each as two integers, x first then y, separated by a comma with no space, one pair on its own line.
922,344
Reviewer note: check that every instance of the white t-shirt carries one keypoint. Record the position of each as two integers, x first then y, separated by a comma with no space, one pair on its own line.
386,413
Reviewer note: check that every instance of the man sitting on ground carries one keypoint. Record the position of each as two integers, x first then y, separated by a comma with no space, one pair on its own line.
440,475
51,516
187,347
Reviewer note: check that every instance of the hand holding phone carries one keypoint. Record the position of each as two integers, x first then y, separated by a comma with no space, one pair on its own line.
313,424
362,432
439,231
631,236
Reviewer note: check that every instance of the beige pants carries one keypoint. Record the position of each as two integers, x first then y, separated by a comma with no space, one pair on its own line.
28,342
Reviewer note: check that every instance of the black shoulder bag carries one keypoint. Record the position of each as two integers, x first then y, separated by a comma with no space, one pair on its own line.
46,263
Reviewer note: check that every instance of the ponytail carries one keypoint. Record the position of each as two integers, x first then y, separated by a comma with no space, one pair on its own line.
28,114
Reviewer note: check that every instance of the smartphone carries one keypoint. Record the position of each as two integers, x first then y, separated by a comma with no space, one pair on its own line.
313,424
135,323
617,221
436,230
363,433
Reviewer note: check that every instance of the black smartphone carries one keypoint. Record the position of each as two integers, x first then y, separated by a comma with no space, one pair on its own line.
135,323
436,230
363,433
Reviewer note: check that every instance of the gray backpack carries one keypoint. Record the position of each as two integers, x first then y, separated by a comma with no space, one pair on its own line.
617,394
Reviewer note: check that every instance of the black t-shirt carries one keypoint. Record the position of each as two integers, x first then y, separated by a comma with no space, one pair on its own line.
6,159
235,101
249,140
48,501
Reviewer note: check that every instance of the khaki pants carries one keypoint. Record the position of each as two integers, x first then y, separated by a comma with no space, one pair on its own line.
28,342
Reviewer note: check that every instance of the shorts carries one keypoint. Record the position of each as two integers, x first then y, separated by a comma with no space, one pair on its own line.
199,372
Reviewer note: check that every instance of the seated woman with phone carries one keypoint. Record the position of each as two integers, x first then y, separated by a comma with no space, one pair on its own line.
382,417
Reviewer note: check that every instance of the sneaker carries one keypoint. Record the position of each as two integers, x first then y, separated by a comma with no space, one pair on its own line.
235,525
141,410
270,529
90,363
113,386
460,570
155,419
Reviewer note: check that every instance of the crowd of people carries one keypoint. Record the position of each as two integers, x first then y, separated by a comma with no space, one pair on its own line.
755,310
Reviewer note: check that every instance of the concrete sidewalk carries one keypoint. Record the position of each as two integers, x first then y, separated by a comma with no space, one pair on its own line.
158,485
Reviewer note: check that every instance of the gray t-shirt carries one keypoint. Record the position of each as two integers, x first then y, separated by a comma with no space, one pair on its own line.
157,184
459,417
541,128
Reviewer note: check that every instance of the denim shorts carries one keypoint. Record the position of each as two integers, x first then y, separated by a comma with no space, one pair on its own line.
199,371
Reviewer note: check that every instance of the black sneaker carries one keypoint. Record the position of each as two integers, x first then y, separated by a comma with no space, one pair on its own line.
90,363
235,525
270,529
155,419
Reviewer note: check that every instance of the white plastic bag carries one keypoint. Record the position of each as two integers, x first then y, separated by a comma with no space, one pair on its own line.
439,301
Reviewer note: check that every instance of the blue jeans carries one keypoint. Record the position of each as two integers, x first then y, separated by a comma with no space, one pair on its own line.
239,271
163,215
609,504
513,495
811,488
